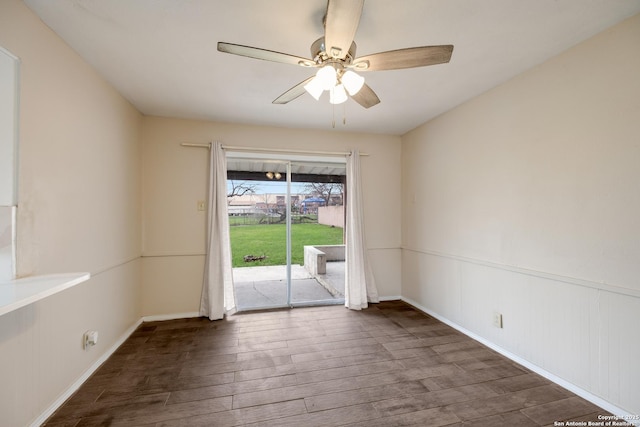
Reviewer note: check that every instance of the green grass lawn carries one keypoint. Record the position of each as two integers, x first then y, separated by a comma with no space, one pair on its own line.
270,240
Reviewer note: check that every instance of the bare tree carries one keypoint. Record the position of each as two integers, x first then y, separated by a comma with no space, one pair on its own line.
326,190
240,189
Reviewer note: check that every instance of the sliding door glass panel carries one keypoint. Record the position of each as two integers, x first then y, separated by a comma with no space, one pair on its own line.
258,227
317,236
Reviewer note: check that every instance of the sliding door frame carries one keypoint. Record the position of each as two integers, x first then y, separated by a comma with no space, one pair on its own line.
283,159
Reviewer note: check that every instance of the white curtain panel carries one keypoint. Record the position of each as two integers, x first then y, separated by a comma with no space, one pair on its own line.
217,287
360,286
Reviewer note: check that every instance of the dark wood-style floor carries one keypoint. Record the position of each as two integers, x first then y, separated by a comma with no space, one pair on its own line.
388,365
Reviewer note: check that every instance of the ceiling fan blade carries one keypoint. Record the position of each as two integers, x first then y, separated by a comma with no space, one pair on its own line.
366,97
341,23
404,58
267,55
292,93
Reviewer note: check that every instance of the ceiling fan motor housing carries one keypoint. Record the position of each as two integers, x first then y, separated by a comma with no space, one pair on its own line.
320,55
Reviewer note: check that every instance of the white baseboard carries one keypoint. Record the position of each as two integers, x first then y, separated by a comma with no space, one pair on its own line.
174,316
94,367
391,298
85,376
596,400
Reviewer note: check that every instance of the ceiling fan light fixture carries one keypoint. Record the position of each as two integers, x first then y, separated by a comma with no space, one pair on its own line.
334,56
352,82
314,88
337,95
327,76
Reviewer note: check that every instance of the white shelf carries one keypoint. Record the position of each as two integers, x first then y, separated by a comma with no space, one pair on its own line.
18,293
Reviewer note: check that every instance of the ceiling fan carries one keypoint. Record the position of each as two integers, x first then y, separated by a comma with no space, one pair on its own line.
335,57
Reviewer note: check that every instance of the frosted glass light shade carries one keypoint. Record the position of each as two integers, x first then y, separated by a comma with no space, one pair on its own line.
352,82
337,95
327,76
314,87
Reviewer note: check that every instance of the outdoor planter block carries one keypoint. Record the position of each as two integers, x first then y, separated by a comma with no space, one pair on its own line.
333,252
316,257
315,261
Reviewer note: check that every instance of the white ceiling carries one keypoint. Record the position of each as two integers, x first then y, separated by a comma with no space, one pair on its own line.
161,54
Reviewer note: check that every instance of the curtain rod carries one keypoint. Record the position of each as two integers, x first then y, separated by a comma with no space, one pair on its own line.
271,150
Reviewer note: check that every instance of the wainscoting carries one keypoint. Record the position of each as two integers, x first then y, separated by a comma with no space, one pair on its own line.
581,333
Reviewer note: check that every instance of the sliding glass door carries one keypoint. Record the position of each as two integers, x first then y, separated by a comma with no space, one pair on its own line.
282,234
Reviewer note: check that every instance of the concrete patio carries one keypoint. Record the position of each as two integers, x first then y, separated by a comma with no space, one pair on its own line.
265,287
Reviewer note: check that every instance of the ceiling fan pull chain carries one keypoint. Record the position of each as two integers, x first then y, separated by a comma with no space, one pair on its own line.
333,116
344,114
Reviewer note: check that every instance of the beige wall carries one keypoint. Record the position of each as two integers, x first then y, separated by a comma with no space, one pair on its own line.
174,179
78,210
526,201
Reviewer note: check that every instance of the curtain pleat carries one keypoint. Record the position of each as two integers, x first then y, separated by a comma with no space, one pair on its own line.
217,287
360,286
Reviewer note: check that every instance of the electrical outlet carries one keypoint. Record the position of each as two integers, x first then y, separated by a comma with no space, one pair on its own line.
497,320
89,339
201,205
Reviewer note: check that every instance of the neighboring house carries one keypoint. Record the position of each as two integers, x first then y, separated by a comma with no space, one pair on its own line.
268,203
